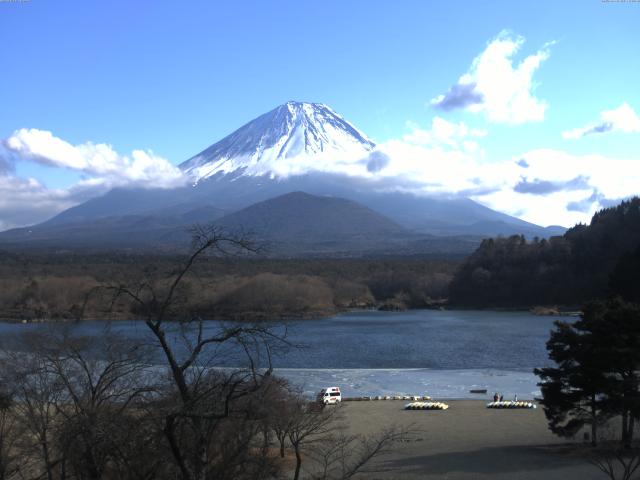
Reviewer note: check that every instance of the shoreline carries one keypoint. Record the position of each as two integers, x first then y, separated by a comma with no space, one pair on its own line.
452,384
253,317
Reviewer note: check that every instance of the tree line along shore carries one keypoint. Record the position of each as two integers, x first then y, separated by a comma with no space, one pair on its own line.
55,287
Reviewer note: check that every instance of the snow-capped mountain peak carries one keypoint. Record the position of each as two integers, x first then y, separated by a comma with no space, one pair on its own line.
291,139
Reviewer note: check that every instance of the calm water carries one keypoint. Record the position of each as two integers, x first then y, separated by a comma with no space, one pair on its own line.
387,352
422,339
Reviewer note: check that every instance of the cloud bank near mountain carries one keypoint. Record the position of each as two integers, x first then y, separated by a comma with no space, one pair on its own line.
444,158
24,201
543,186
99,161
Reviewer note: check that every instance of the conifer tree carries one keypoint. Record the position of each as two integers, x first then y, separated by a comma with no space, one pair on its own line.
597,372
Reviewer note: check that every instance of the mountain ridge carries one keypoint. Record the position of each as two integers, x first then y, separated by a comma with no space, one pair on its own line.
295,224
299,214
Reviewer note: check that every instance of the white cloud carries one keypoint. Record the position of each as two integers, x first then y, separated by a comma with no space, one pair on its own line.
622,119
541,210
497,87
576,186
100,161
25,201
441,159
443,132
543,186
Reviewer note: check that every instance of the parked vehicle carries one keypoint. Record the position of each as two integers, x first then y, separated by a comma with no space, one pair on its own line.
329,395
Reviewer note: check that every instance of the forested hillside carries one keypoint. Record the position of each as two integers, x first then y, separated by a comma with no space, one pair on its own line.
588,261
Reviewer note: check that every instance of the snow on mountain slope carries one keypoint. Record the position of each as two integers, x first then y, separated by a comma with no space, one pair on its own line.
292,139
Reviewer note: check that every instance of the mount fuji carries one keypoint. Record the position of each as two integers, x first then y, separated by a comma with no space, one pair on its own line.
282,141
250,175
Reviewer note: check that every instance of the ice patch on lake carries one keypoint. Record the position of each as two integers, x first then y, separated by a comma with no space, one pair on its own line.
453,384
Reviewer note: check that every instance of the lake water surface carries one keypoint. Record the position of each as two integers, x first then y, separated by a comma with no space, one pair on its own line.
441,353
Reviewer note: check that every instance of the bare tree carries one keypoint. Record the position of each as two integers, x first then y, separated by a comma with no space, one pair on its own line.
309,424
200,399
75,395
317,434
614,459
10,461
616,462
74,398
102,378
280,421
340,456
39,395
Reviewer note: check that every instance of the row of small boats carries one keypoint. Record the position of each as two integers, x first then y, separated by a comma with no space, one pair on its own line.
511,404
426,406
388,397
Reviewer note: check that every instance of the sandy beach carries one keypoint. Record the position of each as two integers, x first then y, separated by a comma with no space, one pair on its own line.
469,441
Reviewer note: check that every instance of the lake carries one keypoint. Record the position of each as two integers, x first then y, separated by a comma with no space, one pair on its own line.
441,353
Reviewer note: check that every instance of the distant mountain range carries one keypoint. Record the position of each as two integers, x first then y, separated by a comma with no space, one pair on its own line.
262,178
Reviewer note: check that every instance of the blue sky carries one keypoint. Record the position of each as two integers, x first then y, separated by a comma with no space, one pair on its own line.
174,77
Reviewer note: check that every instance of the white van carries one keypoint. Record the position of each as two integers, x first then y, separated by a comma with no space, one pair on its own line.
329,395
